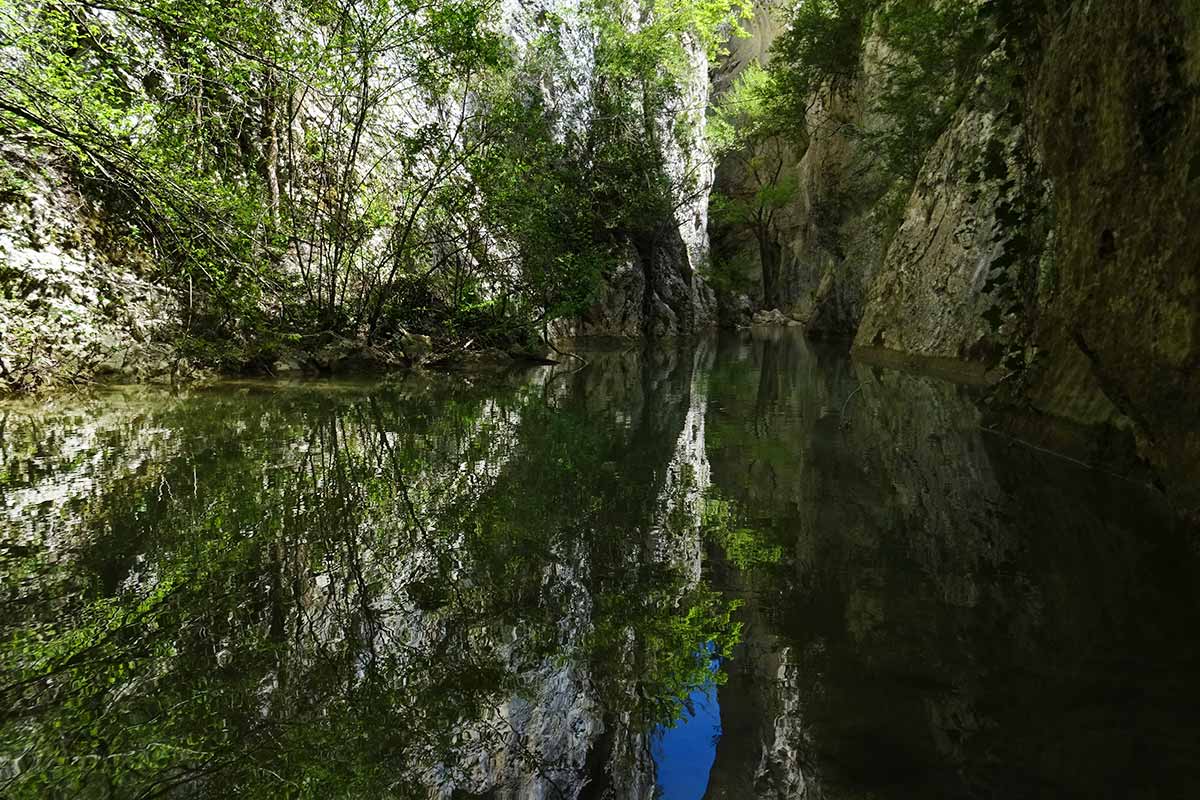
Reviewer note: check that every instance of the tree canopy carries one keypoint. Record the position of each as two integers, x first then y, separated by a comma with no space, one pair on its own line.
361,168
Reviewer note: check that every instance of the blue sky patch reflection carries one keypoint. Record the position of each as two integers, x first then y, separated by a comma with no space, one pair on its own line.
684,755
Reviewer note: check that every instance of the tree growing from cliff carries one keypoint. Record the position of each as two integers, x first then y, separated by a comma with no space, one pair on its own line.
567,192
749,130
351,169
282,160
925,56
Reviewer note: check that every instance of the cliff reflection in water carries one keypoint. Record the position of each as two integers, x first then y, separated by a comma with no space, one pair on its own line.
955,615
354,591
504,587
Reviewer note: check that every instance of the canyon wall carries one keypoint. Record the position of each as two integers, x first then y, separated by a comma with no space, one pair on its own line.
1048,245
83,290
657,289
75,298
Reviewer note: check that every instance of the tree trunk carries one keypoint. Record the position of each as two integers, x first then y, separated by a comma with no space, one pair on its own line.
270,135
771,256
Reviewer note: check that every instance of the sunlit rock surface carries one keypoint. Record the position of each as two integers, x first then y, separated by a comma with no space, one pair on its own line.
657,289
953,281
76,299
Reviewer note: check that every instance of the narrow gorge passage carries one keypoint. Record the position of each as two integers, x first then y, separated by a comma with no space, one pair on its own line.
599,399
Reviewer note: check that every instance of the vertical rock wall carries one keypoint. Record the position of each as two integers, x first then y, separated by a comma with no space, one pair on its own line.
959,276
1049,243
74,298
829,236
657,290
1051,238
1116,106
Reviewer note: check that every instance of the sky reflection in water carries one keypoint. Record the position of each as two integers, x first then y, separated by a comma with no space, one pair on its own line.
503,586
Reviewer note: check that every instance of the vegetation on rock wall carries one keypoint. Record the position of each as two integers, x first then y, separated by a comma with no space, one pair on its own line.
750,129
853,97
306,172
1002,185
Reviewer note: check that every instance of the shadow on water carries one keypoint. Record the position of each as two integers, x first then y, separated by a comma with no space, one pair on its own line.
507,587
953,615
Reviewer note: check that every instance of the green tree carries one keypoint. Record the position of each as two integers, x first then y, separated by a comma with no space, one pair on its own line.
926,57
749,130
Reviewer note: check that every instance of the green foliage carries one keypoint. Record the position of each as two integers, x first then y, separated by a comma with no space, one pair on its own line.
270,155
931,59
745,546
749,128
567,194
535,194
821,48
747,113
730,275
96,88
404,561
360,169
928,55
674,652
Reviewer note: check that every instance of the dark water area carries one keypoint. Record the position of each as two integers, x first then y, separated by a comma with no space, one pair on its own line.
735,568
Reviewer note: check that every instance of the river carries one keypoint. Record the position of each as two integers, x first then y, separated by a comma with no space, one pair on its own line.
733,568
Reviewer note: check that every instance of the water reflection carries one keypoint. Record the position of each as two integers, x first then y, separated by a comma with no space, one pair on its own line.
506,587
684,752
955,616
353,590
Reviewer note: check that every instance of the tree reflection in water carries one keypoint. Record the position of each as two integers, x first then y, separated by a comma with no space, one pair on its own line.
351,591
502,588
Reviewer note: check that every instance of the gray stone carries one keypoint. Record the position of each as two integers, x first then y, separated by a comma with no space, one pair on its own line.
974,225
416,346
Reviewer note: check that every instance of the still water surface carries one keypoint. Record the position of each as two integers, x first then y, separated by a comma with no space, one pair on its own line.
512,586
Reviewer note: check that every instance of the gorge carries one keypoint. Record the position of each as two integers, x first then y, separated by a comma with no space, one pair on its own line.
599,398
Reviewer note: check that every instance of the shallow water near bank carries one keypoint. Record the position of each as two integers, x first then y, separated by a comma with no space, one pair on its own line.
513,585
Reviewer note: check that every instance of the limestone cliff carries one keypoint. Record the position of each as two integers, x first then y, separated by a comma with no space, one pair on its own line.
79,293
956,280
1117,110
1053,243
829,238
1048,243
657,288
74,297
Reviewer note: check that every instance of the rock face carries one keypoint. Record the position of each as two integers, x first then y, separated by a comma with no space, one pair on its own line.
71,303
773,317
829,239
1056,247
658,289
835,244
1049,242
958,277
1117,110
